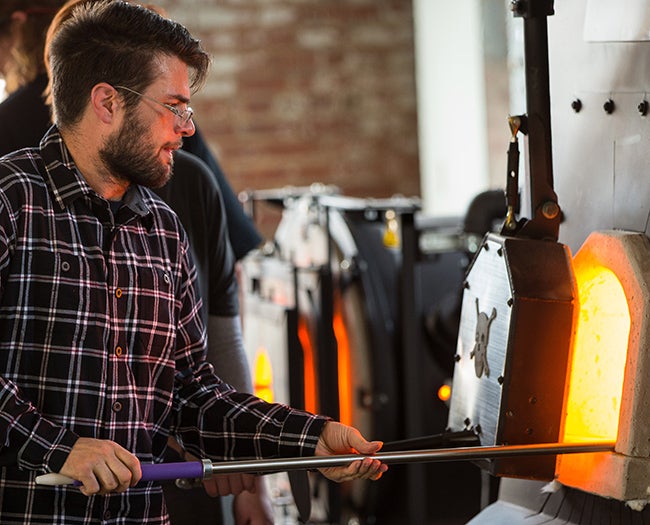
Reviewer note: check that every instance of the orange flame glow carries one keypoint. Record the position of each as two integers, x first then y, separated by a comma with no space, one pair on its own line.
444,392
311,398
263,376
599,355
345,378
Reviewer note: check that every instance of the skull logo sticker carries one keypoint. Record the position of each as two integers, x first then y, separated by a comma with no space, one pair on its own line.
481,338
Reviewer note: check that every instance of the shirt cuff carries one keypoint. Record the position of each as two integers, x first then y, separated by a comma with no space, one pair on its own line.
300,434
47,448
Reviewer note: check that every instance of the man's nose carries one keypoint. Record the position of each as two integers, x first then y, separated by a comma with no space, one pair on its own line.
188,129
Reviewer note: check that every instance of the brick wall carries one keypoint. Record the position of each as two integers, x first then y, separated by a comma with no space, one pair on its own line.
306,91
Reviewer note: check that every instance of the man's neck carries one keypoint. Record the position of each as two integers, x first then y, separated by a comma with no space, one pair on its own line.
91,167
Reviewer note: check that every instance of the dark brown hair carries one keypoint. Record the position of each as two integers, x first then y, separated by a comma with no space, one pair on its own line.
116,42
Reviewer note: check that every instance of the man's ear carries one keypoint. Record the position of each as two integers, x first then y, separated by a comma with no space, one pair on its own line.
104,102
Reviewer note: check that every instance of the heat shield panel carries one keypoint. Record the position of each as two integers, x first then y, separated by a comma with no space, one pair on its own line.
513,346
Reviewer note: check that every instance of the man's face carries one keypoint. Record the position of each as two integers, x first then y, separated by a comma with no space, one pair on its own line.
130,154
141,150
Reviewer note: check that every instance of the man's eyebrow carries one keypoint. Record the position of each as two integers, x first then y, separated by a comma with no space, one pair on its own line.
180,98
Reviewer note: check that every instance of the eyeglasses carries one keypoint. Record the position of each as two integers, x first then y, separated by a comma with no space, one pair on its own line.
184,117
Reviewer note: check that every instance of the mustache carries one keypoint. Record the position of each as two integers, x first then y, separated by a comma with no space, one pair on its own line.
174,145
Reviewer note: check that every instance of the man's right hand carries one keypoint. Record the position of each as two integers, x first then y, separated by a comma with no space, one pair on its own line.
102,466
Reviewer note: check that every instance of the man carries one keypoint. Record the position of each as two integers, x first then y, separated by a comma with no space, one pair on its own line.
195,197
102,347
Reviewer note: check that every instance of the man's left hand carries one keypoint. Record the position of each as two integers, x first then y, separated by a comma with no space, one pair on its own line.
253,508
225,484
337,438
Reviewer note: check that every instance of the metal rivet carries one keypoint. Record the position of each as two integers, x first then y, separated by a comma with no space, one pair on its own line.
550,210
576,105
518,7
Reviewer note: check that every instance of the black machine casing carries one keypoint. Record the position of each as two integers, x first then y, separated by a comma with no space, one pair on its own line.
514,343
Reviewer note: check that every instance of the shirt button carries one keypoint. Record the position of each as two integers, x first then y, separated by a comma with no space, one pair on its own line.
65,266
107,515
166,278
119,351
118,293
117,406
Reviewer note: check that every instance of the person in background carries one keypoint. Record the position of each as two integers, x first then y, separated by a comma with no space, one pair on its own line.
24,117
102,344
196,198
193,194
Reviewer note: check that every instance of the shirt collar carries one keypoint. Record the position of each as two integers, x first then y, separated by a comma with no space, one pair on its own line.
66,182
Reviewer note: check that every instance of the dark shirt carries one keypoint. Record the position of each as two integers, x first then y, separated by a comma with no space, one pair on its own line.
195,197
24,119
101,336
244,237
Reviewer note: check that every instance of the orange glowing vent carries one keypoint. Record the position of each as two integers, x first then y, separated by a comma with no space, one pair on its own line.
599,355
309,366
263,376
344,366
345,376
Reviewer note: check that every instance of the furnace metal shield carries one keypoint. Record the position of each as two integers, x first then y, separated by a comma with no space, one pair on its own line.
513,346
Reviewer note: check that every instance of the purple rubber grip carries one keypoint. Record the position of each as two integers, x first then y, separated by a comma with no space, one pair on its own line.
168,471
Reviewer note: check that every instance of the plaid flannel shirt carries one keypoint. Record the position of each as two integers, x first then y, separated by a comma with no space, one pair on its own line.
101,336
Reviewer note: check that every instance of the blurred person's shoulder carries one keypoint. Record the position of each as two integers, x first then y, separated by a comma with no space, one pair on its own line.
24,117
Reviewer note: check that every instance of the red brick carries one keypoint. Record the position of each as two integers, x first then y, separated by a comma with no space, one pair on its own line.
310,91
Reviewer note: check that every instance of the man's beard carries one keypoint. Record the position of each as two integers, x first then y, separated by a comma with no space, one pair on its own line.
129,155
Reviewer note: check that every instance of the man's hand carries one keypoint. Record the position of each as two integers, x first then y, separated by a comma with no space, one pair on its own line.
337,438
225,484
253,508
221,484
102,466
251,505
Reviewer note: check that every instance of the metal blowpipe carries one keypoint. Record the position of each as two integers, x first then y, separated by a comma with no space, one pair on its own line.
206,468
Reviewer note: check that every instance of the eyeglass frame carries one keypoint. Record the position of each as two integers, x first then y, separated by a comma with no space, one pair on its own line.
185,116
